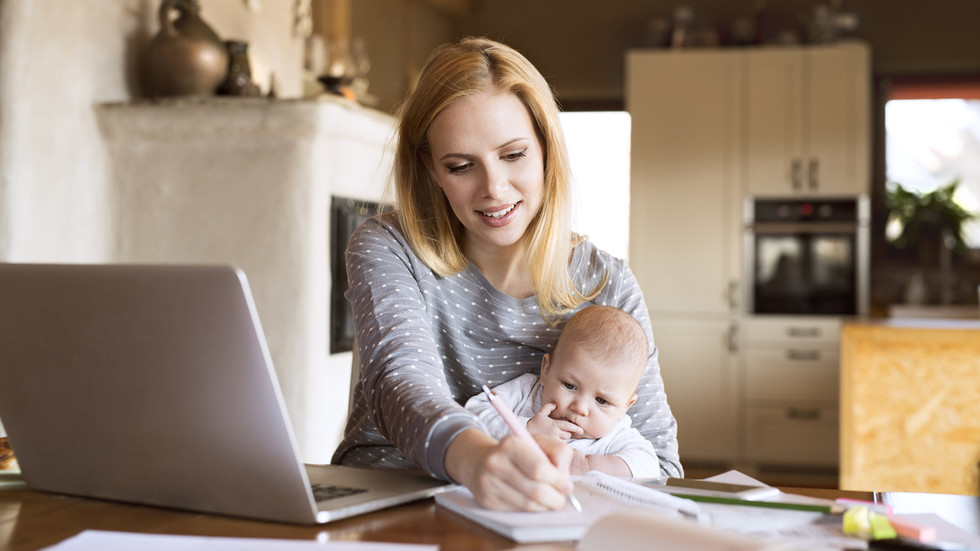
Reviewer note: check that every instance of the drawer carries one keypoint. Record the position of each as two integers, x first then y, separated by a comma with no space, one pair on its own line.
794,434
791,330
792,374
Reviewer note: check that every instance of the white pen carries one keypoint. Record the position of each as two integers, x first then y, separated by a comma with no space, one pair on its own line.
521,431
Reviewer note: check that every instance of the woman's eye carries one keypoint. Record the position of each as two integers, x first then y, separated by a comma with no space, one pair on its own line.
459,169
515,156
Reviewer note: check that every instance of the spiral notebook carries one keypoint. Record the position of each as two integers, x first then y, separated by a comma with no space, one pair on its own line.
599,494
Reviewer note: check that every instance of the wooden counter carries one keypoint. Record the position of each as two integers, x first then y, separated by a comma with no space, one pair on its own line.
910,406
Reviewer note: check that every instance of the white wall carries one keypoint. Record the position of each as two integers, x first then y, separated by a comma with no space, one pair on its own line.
57,60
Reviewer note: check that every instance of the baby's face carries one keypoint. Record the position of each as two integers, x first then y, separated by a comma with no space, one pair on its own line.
589,392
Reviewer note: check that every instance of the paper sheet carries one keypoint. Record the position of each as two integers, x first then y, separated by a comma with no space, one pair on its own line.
98,540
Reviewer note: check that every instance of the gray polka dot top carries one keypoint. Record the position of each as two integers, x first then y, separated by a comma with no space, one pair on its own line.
428,343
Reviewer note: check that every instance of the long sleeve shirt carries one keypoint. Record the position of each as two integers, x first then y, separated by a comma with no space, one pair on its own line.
428,343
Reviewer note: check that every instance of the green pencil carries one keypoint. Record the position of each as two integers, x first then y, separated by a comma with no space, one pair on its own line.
770,504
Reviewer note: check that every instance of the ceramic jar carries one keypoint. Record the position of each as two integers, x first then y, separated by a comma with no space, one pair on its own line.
186,57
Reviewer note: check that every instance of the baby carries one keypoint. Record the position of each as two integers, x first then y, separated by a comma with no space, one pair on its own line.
586,385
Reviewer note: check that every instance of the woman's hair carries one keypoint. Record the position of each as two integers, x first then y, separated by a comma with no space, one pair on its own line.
454,72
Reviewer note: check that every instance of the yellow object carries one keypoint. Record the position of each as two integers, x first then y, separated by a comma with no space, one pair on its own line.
881,528
909,413
856,522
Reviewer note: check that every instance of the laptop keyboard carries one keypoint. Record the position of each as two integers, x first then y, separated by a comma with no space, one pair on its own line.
325,492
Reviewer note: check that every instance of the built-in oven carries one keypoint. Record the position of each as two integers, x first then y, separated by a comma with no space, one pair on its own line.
807,256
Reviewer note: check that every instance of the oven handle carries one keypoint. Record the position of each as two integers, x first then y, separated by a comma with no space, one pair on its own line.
809,228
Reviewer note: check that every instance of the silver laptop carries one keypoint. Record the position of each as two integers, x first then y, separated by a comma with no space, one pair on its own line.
154,385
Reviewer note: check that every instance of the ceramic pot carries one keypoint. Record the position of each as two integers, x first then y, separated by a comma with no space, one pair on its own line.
238,80
186,57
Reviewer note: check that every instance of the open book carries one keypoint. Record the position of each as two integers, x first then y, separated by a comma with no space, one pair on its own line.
599,494
635,516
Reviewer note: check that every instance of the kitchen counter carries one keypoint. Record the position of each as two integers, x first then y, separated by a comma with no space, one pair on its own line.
909,413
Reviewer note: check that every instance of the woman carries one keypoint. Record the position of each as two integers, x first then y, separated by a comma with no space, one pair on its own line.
469,281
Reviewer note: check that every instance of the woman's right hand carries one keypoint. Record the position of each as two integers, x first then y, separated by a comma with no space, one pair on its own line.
510,475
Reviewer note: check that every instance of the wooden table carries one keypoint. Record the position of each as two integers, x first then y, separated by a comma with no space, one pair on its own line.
32,520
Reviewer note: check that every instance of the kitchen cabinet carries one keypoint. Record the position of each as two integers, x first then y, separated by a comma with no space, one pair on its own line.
808,120
700,375
684,232
790,370
710,128
684,174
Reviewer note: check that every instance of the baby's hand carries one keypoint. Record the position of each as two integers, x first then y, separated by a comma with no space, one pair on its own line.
542,424
580,464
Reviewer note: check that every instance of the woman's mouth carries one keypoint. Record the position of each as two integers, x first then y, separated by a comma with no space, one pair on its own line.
499,213
500,216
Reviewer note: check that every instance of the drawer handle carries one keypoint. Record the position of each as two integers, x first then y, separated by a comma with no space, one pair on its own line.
803,355
803,414
803,331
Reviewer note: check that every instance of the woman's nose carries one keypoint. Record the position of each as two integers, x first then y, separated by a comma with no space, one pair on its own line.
495,182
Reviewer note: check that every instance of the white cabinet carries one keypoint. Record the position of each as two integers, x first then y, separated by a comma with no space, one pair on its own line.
791,379
700,376
808,120
684,176
684,232
710,128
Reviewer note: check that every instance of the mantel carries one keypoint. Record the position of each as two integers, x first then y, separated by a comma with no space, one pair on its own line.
248,182
204,117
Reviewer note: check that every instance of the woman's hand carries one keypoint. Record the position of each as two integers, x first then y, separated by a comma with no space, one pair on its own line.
510,475
542,424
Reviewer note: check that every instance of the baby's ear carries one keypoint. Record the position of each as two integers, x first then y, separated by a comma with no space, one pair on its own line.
545,364
631,402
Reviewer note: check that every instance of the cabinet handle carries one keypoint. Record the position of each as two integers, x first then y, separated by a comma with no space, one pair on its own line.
797,174
803,331
814,177
733,294
803,355
733,339
803,414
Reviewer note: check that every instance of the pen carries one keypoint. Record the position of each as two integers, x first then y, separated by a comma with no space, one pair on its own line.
770,504
521,431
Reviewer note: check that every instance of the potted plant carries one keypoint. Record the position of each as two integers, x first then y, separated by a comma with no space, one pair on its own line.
925,223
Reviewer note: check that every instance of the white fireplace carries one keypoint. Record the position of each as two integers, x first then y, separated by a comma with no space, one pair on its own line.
248,182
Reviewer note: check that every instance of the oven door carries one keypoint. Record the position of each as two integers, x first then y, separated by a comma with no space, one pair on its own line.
803,268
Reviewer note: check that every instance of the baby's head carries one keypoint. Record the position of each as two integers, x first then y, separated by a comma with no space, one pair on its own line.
592,375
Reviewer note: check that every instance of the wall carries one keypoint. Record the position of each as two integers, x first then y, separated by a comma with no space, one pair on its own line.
581,51
395,48
57,60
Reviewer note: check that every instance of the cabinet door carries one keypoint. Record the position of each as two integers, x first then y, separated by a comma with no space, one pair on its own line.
685,109
699,377
808,120
774,120
838,136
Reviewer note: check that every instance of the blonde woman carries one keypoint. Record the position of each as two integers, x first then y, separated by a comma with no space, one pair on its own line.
470,279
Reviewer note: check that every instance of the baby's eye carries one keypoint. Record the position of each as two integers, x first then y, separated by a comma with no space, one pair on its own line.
568,386
601,401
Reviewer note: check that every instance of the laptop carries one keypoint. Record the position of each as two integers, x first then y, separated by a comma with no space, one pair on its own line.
153,384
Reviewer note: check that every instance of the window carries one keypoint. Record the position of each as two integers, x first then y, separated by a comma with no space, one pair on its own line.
599,153
932,138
